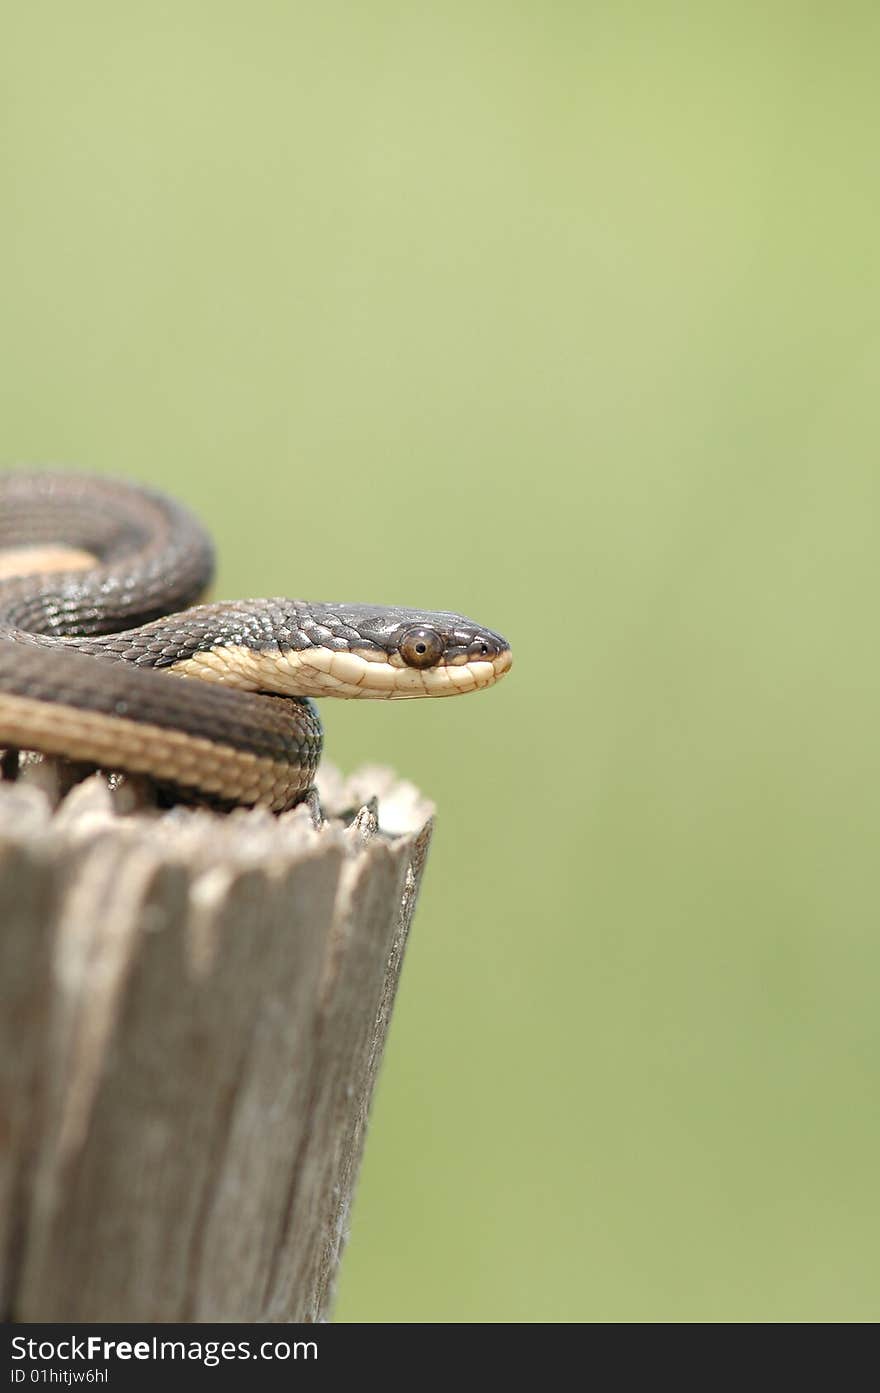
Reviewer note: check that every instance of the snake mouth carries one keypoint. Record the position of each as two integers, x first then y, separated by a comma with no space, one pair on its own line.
444,679
356,674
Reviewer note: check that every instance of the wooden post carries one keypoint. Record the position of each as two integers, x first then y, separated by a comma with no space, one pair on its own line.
194,1007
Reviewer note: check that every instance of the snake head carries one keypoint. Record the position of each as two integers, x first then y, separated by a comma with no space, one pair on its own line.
390,652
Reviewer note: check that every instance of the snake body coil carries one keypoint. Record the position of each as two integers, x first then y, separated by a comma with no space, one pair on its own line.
97,583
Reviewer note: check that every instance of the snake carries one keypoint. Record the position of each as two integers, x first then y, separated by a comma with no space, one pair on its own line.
108,658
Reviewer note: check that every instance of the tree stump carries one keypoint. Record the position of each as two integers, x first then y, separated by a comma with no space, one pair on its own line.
194,1007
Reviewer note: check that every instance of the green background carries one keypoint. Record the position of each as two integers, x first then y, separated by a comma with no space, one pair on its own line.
567,316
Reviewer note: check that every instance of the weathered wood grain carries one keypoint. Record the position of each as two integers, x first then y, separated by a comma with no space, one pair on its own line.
193,1010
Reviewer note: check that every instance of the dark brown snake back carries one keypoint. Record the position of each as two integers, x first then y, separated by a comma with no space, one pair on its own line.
153,558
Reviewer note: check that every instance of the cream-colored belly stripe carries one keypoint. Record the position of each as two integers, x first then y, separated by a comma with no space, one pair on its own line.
27,561
316,672
117,743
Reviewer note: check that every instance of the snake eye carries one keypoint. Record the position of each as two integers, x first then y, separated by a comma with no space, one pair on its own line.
421,647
